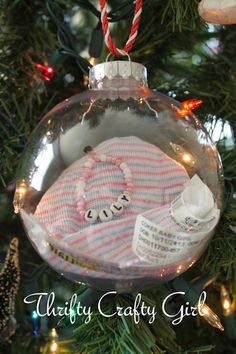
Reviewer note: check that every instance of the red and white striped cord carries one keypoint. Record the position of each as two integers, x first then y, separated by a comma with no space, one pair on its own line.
133,33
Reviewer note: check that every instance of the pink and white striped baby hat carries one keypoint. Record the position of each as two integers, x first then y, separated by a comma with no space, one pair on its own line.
156,179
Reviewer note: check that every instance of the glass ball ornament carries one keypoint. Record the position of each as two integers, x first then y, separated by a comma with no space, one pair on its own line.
120,186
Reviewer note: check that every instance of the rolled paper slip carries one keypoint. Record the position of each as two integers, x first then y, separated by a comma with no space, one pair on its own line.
195,208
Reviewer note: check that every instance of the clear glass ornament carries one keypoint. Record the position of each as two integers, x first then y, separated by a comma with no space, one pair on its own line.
119,138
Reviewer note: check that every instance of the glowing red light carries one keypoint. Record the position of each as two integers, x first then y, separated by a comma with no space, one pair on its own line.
46,71
188,106
191,104
49,69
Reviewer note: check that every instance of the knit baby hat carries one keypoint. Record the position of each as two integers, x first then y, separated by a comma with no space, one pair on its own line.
117,247
154,178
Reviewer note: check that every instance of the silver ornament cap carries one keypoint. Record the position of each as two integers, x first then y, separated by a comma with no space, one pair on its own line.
115,75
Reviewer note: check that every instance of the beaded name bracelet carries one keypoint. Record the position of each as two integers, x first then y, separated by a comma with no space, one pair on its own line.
117,207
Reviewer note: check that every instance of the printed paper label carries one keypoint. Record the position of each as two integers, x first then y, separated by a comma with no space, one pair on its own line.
155,245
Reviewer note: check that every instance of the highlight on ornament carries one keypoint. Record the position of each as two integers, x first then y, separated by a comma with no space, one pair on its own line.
20,193
111,192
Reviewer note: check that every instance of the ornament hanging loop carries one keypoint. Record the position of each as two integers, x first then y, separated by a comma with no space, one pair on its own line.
133,33
125,53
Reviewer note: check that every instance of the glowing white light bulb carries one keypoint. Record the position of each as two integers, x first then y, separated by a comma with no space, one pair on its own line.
53,347
226,301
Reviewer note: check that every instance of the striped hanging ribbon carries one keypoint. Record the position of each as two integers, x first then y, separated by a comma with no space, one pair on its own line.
133,33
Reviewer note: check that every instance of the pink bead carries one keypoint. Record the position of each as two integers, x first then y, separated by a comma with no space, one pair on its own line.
87,174
128,180
118,162
78,209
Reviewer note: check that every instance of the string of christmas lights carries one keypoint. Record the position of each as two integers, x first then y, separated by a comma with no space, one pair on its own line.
9,284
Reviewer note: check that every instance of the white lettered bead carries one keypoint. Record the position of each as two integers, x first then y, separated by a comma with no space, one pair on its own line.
127,173
89,163
80,192
123,166
117,208
124,199
91,215
81,185
103,157
105,214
